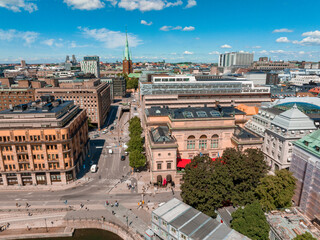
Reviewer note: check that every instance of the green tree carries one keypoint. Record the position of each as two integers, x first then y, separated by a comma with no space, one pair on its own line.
137,159
251,222
245,170
132,83
90,125
229,180
305,236
202,187
135,143
276,191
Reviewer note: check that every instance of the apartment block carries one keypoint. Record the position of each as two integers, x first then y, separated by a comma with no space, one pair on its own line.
42,142
10,97
91,95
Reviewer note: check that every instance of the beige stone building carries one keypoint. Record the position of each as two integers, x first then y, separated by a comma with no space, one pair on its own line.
174,136
91,95
42,142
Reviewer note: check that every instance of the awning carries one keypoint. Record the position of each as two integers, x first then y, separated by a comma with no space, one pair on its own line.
182,163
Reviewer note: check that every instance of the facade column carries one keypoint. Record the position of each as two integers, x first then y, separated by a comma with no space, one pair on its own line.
31,160
4,179
74,174
63,178
33,177
19,178
48,177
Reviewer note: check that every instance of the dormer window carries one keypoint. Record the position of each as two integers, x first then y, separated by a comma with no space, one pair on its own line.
306,143
317,148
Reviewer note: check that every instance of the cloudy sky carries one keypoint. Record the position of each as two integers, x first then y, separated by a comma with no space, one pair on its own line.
171,30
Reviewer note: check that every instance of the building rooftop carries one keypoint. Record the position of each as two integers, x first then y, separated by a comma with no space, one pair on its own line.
310,143
290,223
161,135
293,119
194,223
244,134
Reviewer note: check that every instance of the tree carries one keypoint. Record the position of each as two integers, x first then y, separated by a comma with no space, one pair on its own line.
229,180
136,159
305,236
132,83
90,125
135,143
202,187
245,170
251,222
276,191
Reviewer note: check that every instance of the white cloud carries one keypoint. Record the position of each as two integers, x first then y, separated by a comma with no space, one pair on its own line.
214,53
110,39
28,37
52,42
263,52
142,5
113,2
301,52
170,28
282,30
187,53
226,46
48,42
191,28
283,40
308,41
191,3
315,33
277,51
256,47
18,5
73,44
173,4
85,4
144,22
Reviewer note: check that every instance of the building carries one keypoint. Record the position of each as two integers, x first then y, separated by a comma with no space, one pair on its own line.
288,224
235,59
88,94
176,220
272,78
91,64
42,142
299,80
272,65
175,136
119,87
258,78
305,167
10,97
284,129
127,61
178,91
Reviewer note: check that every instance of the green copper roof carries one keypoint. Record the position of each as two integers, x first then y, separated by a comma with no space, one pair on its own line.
134,75
126,50
310,143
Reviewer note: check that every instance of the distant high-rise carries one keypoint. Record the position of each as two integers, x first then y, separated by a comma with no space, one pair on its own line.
23,63
74,60
90,64
67,59
235,59
127,62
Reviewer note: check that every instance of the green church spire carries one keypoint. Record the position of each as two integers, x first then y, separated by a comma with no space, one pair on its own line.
126,51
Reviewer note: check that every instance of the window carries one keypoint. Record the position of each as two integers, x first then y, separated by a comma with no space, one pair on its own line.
169,165
191,142
187,114
159,166
202,114
215,141
203,142
159,154
169,154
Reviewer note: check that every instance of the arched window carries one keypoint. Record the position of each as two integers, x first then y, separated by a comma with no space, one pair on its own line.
215,141
203,142
191,142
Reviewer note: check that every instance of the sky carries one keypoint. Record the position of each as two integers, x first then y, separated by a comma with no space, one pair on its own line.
45,31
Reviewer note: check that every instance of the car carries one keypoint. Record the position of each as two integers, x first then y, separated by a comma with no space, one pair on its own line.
104,132
110,151
96,136
135,109
123,158
94,168
112,128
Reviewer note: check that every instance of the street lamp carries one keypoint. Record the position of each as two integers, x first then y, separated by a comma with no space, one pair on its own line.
45,222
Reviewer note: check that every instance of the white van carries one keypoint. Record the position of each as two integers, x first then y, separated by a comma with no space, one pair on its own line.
94,168
110,151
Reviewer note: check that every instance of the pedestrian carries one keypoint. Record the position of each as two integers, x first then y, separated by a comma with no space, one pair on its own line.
172,191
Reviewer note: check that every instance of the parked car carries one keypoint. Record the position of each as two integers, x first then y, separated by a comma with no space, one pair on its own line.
110,151
112,128
123,158
96,136
94,168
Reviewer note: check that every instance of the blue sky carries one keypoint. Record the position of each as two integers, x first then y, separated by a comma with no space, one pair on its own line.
171,30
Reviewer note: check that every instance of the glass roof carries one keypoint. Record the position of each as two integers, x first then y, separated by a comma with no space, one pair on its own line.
303,107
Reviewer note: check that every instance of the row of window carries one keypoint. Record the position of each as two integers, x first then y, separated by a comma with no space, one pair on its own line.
159,165
32,138
203,144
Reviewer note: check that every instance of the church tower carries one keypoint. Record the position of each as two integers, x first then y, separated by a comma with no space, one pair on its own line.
127,62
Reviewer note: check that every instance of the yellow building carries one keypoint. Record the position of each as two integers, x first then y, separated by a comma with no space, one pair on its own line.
42,142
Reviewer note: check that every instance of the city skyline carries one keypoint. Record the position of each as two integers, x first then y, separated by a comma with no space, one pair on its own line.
177,28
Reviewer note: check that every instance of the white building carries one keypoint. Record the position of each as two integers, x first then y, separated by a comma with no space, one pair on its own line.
299,80
90,64
235,59
284,129
258,78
